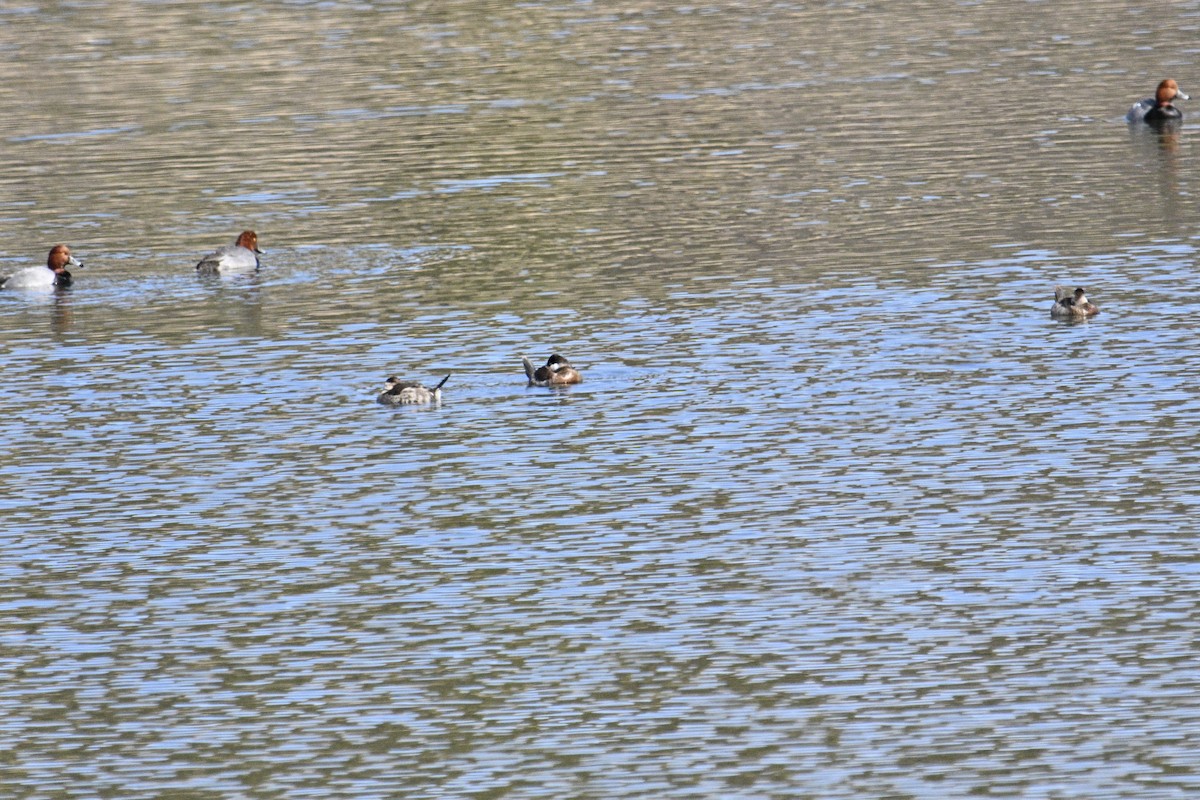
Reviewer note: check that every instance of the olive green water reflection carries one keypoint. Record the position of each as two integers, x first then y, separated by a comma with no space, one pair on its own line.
838,511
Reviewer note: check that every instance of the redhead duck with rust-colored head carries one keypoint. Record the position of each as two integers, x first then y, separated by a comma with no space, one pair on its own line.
1158,110
53,275
241,256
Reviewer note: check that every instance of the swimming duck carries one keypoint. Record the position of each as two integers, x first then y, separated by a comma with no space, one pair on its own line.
1072,305
401,393
52,275
241,256
557,372
1158,110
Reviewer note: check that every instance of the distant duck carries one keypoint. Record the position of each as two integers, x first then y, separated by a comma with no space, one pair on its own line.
402,393
557,372
1072,305
54,274
1158,110
241,256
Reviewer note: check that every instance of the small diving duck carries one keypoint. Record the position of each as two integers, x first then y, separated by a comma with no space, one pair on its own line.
557,372
53,275
402,393
1158,110
241,256
1072,305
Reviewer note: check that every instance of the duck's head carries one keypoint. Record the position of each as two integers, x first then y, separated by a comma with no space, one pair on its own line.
1168,92
60,258
249,240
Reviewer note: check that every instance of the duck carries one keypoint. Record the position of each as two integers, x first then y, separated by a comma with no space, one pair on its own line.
1158,110
241,256
1072,305
53,275
402,393
557,372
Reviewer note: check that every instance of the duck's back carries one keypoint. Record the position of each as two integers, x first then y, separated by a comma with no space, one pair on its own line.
1137,112
397,392
230,258
34,278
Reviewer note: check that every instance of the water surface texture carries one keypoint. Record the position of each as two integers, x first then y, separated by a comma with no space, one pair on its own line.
839,511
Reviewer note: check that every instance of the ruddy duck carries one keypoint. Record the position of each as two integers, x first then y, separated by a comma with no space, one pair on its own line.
54,274
401,393
1158,110
557,372
1072,305
241,256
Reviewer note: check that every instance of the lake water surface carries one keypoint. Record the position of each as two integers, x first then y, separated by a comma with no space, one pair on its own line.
838,512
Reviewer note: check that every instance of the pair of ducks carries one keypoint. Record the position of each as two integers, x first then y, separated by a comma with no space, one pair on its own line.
241,256
1156,112
557,371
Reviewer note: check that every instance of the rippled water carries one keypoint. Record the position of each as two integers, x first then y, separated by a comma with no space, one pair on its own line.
839,511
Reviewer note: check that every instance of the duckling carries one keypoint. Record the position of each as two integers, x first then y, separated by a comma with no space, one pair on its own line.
557,372
1068,305
399,393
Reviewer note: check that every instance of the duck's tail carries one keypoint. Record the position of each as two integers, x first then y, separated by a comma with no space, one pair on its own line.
442,383
1062,293
528,368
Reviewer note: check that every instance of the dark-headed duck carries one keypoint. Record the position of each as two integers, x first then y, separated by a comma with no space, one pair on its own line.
556,372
